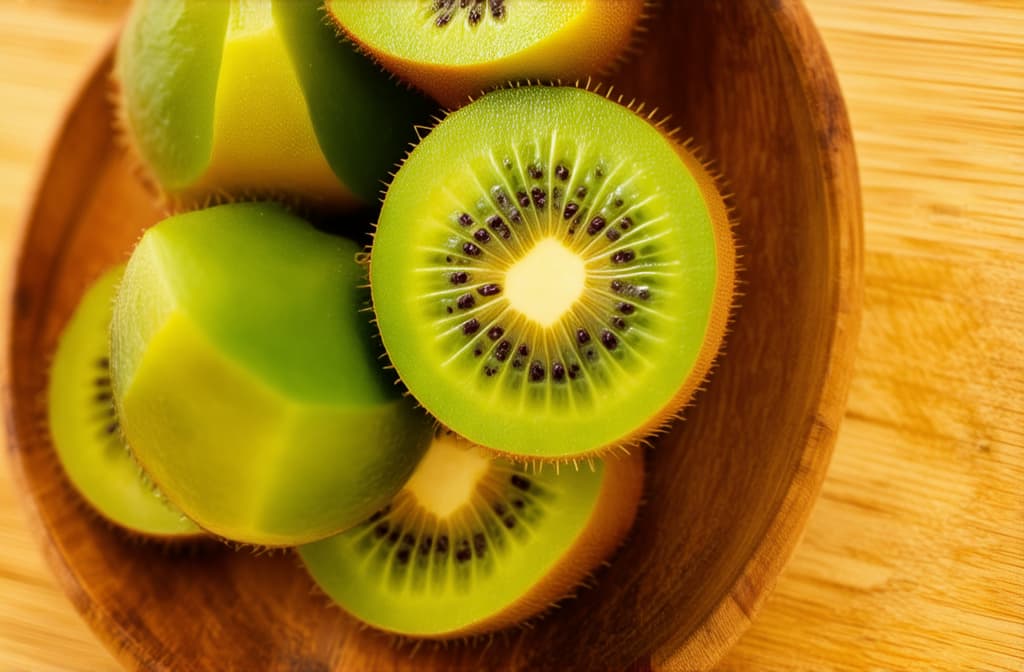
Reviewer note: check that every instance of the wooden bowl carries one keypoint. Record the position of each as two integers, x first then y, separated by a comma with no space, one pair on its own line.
729,490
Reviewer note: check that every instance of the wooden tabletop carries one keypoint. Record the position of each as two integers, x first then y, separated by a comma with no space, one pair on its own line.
914,556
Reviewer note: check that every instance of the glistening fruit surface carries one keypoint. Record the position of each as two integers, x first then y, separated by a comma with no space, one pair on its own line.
551,275
246,380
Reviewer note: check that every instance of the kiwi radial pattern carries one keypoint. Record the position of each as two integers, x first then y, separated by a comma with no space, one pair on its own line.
551,274
85,430
474,544
247,381
454,49
223,100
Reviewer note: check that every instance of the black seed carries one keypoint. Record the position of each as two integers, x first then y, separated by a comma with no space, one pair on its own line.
570,210
470,327
517,363
625,223
623,257
572,231
102,381
625,308
482,236
536,172
509,521
442,544
562,172
425,544
501,197
582,337
495,333
479,544
612,235
524,350
393,537
520,482
581,192
474,16
574,370
596,224
103,363
536,371
643,293
498,225
402,556
408,539
599,172
448,259
591,355
523,198
466,219
477,351
471,249
558,372
448,309
608,340
380,530
442,20
501,352
518,503
462,552
540,198
489,371
466,301
490,289
104,396
618,322
515,216
459,278
617,286
380,514
498,9
499,508
618,202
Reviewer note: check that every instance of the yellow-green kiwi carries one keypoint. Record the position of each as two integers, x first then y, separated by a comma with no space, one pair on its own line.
475,544
552,274
455,49
232,99
85,431
247,382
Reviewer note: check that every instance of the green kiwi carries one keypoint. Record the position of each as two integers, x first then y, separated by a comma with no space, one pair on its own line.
224,99
84,427
246,380
551,274
474,544
454,49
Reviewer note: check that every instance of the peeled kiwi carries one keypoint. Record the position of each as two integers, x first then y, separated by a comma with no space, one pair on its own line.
551,274
453,49
474,544
247,382
226,99
84,427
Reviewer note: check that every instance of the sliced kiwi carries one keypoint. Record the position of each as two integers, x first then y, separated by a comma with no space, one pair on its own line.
474,544
453,49
85,430
247,382
224,99
551,274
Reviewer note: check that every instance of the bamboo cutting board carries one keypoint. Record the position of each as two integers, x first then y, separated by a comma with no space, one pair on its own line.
914,557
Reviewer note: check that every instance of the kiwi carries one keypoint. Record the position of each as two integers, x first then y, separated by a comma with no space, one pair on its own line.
454,49
84,427
225,99
474,544
247,382
551,274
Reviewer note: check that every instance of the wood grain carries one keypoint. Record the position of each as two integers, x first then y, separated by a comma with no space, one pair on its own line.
913,557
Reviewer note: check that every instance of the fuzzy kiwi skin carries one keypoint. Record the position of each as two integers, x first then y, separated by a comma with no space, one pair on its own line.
247,382
219,106
591,36
586,522
85,432
701,236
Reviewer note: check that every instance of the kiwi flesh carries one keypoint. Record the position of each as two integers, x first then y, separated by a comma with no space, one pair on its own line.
474,544
454,49
85,431
551,274
247,381
230,99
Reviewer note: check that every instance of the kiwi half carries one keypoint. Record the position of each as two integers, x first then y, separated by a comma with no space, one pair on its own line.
551,274
454,49
246,378
224,99
474,544
84,427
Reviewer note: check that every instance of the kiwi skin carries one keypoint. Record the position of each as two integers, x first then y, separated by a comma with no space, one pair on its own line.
593,44
712,193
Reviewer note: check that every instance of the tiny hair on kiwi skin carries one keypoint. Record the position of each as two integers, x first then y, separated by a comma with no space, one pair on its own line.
489,42
86,433
548,288
474,544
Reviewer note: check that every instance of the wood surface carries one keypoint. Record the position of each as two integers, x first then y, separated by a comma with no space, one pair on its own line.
913,557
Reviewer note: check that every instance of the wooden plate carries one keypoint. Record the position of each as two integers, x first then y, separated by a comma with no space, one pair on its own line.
729,490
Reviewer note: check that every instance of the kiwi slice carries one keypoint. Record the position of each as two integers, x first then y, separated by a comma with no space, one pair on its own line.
223,99
246,378
85,430
453,49
474,544
551,274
